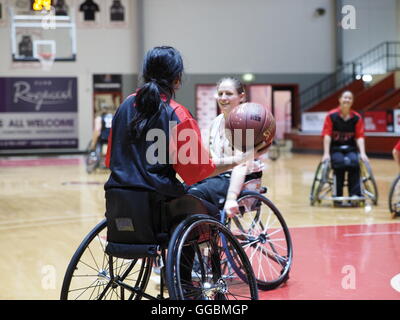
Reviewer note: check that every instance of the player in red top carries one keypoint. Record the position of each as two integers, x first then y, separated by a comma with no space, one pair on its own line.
396,154
343,134
152,139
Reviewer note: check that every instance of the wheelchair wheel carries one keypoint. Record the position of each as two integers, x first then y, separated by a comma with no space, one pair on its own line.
200,260
265,237
320,185
369,188
394,197
92,161
89,276
274,151
93,158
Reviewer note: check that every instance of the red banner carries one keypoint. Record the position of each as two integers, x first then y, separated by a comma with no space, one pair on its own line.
375,121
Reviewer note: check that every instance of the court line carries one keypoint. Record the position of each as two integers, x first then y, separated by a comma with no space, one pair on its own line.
343,225
49,222
395,282
370,234
46,219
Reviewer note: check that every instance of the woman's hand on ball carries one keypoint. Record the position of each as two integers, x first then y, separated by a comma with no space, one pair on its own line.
261,149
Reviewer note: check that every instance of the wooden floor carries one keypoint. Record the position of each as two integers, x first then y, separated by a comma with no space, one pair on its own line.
47,206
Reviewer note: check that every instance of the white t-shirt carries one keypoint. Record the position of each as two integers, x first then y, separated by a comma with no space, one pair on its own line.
217,142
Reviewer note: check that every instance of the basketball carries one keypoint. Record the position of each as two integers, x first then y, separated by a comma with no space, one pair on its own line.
248,119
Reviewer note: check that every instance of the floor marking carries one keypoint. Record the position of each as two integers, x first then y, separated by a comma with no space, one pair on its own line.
370,234
395,282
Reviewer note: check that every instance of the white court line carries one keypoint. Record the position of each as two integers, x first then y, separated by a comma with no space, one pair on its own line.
369,234
395,282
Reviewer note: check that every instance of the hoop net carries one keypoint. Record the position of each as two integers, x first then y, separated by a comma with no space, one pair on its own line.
46,60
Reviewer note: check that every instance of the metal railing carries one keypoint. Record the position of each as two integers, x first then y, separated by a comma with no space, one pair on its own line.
381,59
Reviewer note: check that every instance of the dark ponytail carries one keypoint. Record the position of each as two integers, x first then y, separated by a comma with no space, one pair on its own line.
161,68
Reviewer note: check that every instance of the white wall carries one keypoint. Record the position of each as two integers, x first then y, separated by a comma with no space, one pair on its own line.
376,22
99,50
235,36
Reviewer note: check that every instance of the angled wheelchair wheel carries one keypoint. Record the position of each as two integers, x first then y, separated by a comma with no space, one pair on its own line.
274,151
93,158
321,185
94,275
201,256
92,161
394,198
265,237
369,188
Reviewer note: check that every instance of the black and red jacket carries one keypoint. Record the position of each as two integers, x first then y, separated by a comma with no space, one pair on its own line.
129,161
343,132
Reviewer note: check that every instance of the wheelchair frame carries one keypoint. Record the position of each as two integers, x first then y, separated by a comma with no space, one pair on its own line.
106,280
267,244
394,197
324,181
94,158
266,233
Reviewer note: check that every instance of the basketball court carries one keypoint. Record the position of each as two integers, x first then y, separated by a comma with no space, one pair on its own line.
49,204
67,62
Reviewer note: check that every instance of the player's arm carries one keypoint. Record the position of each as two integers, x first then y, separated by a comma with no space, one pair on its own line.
198,165
360,140
396,157
361,148
327,146
96,132
327,133
238,177
227,163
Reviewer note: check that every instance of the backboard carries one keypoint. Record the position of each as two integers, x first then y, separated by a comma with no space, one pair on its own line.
32,29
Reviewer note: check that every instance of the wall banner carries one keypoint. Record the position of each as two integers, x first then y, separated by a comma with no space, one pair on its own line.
38,113
313,122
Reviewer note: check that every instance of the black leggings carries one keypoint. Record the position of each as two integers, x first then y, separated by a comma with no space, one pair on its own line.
342,163
214,189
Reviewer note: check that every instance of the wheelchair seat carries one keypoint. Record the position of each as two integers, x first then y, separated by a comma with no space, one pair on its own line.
169,215
181,207
100,269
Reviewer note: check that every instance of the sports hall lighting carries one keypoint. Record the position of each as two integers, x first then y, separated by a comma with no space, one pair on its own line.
367,78
248,77
39,5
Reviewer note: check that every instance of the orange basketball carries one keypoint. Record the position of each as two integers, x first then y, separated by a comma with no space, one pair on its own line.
249,124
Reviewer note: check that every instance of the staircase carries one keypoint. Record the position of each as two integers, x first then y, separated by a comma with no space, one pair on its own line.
381,94
383,58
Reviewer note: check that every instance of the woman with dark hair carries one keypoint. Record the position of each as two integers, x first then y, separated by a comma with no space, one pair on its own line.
344,145
152,139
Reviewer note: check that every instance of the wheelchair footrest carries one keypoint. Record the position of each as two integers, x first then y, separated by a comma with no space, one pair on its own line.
131,251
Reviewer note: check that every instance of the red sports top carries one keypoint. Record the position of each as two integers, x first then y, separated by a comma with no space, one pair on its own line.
343,132
397,146
152,163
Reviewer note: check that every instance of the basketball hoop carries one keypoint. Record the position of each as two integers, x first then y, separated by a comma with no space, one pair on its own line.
46,60
45,52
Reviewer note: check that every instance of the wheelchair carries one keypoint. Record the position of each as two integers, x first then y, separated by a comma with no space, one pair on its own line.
264,235
274,151
94,159
199,246
394,198
323,185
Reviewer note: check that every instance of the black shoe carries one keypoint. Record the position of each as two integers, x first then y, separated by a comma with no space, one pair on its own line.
337,203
